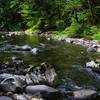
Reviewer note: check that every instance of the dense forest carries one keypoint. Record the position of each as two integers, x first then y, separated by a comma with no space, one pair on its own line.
73,18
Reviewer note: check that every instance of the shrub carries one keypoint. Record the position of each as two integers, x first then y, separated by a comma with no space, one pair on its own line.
74,30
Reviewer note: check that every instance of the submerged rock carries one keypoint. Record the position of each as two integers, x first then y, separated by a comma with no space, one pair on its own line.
43,74
23,48
68,85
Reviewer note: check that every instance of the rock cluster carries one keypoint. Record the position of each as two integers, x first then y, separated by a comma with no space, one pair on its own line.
92,45
38,84
12,85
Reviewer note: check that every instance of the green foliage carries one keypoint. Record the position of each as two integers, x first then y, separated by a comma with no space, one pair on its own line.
69,17
73,30
97,34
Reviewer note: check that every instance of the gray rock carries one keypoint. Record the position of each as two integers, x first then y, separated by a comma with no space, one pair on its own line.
34,51
44,91
5,98
43,74
36,98
84,94
49,38
97,70
91,49
98,50
42,45
12,83
23,48
19,97
28,80
40,88
68,85
92,64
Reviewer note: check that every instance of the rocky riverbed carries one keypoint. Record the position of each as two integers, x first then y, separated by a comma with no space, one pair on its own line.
92,45
39,84
67,73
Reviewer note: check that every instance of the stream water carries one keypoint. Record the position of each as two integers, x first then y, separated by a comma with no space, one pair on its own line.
69,60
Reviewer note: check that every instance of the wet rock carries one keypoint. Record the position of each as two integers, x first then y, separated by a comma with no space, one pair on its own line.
40,88
23,48
68,85
43,74
28,80
36,98
92,64
42,45
97,70
44,91
34,50
68,40
9,94
19,97
97,60
97,97
91,49
5,98
84,94
90,73
10,83
49,38
61,39
14,67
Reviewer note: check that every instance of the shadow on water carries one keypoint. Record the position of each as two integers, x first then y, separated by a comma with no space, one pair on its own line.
68,59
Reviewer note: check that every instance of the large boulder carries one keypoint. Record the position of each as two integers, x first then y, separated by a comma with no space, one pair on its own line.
33,89
43,74
44,91
12,83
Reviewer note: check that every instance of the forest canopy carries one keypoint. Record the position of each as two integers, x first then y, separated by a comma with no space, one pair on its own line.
71,17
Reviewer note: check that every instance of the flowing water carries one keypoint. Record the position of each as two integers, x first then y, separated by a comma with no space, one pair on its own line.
68,59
